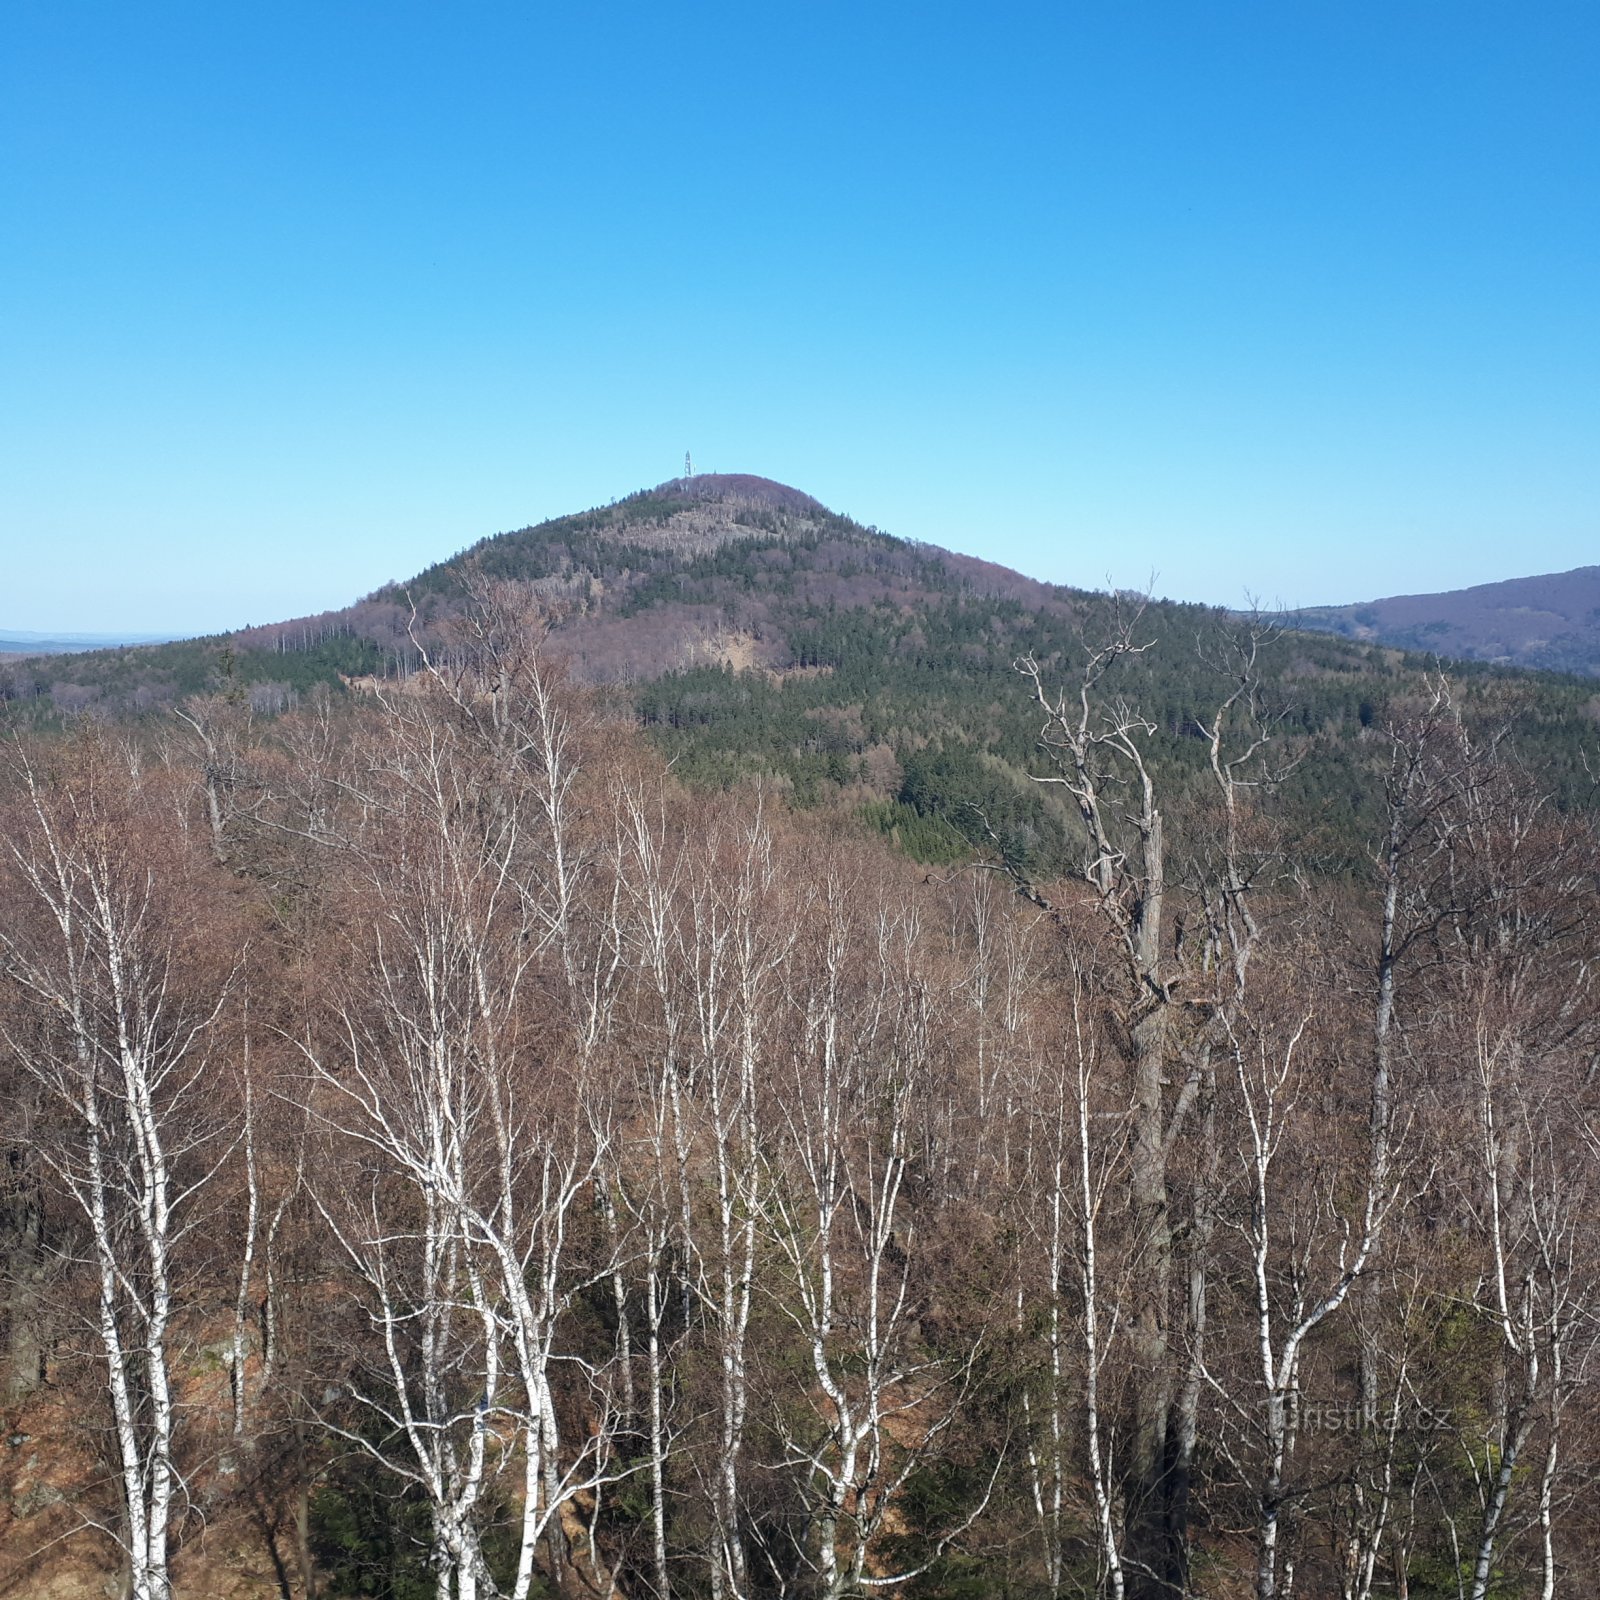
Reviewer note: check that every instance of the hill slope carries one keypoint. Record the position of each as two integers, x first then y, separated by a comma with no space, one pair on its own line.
1551,622
754,632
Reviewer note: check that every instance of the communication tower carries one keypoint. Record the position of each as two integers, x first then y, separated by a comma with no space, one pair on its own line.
688,465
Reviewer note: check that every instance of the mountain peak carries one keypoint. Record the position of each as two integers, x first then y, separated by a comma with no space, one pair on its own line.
745,487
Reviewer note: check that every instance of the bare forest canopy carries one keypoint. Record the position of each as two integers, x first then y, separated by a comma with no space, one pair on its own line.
754,633
462,1143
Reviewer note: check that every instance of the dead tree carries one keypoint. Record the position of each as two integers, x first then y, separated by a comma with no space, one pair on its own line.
1097,749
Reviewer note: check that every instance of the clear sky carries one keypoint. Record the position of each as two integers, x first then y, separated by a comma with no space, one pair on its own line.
1295,299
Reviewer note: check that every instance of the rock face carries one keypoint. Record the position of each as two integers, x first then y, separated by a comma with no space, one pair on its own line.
1551,621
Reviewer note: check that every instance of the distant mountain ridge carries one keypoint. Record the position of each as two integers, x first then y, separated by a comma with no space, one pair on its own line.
1551,621
19,642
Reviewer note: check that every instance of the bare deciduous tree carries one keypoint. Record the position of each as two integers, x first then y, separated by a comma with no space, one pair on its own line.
121,1046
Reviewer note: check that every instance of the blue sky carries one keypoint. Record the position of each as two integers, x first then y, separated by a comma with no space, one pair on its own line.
1301,301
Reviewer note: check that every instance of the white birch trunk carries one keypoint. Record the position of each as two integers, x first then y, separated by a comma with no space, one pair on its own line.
127,1064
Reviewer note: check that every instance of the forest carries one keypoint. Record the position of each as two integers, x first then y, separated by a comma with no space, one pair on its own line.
466,1140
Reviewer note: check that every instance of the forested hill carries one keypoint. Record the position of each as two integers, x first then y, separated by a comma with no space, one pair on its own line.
756,632
1552,621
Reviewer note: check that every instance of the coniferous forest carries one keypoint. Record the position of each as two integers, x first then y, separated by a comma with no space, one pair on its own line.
465,1141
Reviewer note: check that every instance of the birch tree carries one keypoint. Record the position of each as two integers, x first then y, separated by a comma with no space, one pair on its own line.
121,1042
839,1216
465,1150
741,947
1305,1251
1523,970
1078,1150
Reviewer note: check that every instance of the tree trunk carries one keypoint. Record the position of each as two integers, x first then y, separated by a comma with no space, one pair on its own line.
23,1224
1155,1543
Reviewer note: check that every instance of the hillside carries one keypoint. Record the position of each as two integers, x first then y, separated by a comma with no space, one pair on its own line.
755,632
1550,622
590,1171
